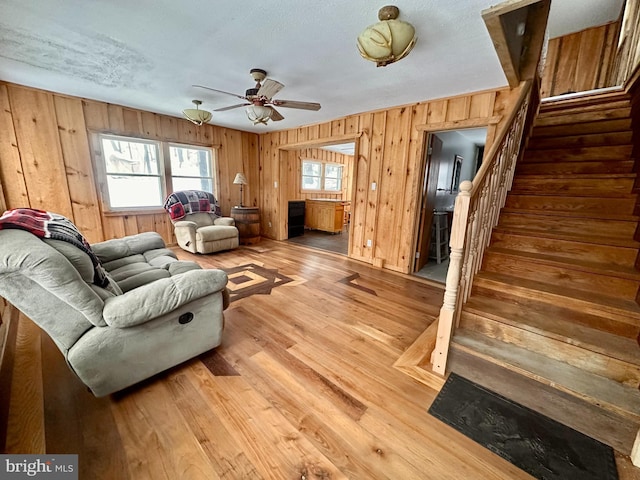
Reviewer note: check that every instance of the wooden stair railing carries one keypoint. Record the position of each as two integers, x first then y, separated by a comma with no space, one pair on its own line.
476,211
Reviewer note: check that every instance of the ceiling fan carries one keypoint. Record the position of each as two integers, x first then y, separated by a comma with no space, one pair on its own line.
259,100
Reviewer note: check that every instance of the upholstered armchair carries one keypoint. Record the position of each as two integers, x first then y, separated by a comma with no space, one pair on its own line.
149,312
198,224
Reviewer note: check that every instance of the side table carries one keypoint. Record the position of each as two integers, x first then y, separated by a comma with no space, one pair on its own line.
248,223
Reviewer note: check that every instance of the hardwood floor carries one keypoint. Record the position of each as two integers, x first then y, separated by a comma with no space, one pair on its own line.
302,387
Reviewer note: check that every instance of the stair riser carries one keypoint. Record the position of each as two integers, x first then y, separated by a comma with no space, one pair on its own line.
585,226
631,415
579,205
590,128
566,142
585,116
584,358
578,168
624,257
548,111
612,320
582,187
614,153
560,276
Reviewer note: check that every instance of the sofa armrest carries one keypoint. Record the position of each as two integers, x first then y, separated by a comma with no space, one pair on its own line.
186,224
227,221
158,298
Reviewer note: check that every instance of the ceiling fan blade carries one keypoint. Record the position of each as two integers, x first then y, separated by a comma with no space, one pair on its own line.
221,91
294,104
269,88
276,116
224,109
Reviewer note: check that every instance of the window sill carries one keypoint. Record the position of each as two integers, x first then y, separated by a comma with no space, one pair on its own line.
136,211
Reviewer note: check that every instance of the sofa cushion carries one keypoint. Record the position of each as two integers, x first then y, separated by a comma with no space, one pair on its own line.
217,232
79,259
127,246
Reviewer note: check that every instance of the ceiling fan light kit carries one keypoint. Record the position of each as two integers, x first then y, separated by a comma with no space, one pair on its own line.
259,99
195,115
259,114
389,40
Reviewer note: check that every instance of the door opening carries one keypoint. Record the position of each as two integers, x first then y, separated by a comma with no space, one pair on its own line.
451,157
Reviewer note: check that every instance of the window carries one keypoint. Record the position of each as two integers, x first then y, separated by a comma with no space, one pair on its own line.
311,175
191,168
136,175
333,177
321,176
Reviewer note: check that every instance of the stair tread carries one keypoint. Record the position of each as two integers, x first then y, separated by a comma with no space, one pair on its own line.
572,263
572,379
574,176
629,308
603,425
571,213
572,237
559,323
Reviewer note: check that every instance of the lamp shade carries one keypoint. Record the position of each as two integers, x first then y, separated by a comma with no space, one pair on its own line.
240,179
387,41
259,114
195,115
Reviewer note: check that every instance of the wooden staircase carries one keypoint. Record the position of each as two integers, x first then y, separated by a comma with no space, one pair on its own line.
555,300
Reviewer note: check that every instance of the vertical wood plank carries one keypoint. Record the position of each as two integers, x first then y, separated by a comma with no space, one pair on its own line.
77,161
11,171
40,150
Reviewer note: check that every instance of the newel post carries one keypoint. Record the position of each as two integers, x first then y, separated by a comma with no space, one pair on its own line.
446,320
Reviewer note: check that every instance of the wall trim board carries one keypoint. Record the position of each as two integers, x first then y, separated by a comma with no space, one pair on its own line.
460,124
335,140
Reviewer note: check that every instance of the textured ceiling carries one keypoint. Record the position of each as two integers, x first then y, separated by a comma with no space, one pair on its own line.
147,54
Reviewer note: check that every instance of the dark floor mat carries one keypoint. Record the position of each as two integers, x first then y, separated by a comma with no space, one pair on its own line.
537,444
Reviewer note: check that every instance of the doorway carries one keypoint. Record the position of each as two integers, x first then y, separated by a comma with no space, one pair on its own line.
323,194
451,157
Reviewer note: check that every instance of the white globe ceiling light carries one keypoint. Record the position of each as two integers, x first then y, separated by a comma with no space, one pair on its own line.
259,114
387,41
195,115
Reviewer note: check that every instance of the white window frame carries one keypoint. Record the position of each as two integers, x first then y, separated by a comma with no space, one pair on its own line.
164,169
322,178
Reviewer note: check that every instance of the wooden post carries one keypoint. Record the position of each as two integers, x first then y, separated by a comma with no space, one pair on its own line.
447,312
635,451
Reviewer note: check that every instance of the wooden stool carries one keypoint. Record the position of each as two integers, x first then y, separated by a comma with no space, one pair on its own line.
439,237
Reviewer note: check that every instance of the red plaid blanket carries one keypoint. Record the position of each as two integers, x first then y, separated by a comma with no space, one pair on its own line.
57,227
180,204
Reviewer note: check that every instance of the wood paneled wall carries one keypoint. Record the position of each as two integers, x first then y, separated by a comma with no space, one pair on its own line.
389,153
294,173
581,61
628,57
46,162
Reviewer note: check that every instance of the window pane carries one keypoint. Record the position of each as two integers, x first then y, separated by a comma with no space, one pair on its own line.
186,183
126,191
311,168
332,184
311,183
333,171
121,156
192,162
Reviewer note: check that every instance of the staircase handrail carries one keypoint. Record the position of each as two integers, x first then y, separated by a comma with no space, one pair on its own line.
476,211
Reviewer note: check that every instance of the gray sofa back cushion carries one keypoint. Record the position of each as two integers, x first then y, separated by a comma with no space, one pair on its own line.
124,247
25,255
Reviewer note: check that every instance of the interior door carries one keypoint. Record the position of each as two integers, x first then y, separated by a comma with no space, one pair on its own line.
429,189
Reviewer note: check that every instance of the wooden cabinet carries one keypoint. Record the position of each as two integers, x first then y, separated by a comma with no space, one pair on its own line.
326,215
